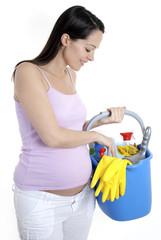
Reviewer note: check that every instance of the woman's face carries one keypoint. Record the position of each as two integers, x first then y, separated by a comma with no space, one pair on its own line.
79,52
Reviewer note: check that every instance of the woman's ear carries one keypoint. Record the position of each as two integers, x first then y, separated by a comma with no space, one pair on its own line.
65,39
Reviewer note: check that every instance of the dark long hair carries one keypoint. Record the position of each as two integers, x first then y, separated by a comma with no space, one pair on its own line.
77,22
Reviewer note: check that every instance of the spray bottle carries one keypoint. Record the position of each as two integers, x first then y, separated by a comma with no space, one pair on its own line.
126,138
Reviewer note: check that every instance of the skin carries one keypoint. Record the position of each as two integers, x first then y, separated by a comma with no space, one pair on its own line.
34,100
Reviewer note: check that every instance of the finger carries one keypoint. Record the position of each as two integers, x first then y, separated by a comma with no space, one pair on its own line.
114,186
123,180
110,110
106,191
94,180
109,195
99,188
117,192
122,188
120,114
109,151
123,112
111,116
113,151
98,172
114,114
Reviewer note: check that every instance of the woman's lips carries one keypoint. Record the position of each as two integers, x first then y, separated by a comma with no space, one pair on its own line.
82,62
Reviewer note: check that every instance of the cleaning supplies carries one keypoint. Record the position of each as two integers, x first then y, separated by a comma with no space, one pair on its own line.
127,150
102,166
126,137
134,159
112,174
100,150
136,202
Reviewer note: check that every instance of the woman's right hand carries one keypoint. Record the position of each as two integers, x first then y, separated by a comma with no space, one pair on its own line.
107,142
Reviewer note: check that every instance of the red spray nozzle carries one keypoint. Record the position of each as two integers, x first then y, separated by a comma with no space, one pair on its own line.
102,151
127,136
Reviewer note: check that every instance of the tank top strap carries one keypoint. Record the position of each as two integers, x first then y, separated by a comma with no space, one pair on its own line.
71,77
44,76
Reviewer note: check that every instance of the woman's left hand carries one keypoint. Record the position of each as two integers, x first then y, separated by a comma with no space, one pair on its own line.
117,115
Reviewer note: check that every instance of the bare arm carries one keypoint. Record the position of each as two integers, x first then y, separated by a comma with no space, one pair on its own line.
96,124
32,95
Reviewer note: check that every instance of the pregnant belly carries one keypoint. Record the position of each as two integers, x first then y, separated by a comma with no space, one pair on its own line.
67,192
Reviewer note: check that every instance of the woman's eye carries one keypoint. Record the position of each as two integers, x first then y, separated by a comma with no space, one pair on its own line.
87,50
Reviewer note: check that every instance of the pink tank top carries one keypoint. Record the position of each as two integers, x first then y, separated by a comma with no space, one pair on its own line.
44,168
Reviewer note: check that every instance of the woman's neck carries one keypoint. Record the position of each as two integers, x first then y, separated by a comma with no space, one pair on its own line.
57,66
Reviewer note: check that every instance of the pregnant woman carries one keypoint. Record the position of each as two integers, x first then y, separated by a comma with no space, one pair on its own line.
52,196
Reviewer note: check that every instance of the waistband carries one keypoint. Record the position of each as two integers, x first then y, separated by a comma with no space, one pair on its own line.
51,196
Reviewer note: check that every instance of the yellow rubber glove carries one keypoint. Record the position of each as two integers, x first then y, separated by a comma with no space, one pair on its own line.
112,174
108,183
101,168
110,189
122,178
105,170
118,182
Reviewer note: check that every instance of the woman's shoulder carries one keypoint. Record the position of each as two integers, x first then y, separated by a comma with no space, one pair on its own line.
26,71
25,66
24,75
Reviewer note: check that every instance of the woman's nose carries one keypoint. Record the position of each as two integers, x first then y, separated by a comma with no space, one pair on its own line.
91,57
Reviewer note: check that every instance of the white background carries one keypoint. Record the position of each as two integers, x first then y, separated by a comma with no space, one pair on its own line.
126,72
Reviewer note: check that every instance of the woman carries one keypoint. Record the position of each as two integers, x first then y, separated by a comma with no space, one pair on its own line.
52,196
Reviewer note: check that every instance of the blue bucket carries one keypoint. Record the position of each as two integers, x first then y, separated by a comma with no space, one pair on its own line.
136,202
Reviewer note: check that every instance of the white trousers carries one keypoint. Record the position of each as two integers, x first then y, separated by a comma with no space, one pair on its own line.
46,216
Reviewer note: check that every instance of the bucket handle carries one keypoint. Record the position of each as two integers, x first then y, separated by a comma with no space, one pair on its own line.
108,113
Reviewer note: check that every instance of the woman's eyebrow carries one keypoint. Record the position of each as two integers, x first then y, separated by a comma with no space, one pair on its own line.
91,45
